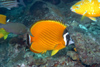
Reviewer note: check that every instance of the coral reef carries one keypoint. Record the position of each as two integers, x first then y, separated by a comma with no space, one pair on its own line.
14,52
73,55
87,48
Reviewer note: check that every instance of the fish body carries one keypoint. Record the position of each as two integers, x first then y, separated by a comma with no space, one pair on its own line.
11,3
88,8
48,35
3,33
16,28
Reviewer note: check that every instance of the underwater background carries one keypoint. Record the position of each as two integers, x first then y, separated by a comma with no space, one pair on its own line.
22,14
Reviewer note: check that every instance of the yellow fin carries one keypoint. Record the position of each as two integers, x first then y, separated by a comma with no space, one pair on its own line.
54,52
2,19
3,33
83,15
5,37
93,18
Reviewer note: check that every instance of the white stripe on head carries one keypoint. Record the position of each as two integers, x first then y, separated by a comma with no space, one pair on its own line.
64,36
67,39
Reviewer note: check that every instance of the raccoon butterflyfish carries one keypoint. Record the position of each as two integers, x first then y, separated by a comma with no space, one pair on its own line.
3,33
2,19
88,8
49,35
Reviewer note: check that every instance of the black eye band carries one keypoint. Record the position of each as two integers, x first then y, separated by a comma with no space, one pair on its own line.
65,31
68,39
67,36
67,42
28,39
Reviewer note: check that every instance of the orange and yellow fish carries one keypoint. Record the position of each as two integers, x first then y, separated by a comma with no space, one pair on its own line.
3,32
2,19
48,35
88,8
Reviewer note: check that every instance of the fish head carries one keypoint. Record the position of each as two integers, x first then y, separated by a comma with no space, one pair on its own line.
68,40
78,8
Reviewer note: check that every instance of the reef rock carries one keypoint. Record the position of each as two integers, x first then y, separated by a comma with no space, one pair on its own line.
73,55
38,9
55,2
87,48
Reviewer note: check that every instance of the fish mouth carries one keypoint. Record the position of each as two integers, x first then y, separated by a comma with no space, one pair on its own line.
71,42
72,9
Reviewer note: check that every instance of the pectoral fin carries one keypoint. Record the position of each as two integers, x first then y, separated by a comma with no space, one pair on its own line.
83,15
93,18
54,52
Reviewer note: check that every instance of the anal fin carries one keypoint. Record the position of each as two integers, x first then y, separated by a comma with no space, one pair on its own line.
93,18
54,52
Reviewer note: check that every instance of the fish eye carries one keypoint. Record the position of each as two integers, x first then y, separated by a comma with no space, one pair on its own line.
77,6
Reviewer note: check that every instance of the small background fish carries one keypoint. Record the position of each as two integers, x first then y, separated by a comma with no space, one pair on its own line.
10,3
16,28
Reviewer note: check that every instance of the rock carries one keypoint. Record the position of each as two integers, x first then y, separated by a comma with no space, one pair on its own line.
55,2
88,48
69,1
73,55
3,10
40,61
38,9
